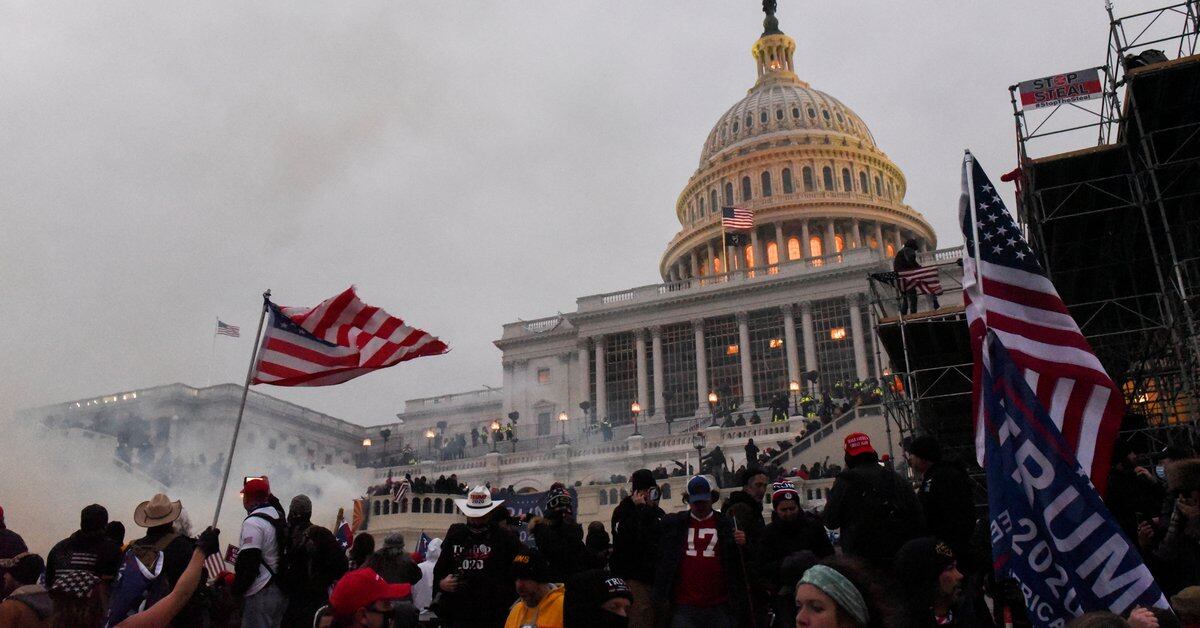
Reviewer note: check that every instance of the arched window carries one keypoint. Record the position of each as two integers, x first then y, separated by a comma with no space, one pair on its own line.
766,183
666,491
447,505
701,205
717,266
735,127
812,113
878,187
749,121
847,180
745,188
891,251
839,242
603,498
772,253
612,496
729,193
825,114
749,255
794,248
891,190
404,505
788,188
387,506
712,201
437,506
807,174
827,177
862,183
795,112
779,114
815,246
762,117
426,505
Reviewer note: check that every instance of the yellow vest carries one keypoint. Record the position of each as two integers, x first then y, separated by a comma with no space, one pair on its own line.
548,614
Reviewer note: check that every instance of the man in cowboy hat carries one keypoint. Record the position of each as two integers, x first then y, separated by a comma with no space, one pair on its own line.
158,516
473,575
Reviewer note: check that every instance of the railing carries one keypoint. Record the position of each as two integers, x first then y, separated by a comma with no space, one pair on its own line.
826,430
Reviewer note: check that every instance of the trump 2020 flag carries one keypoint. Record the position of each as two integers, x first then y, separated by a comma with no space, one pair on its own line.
1049,528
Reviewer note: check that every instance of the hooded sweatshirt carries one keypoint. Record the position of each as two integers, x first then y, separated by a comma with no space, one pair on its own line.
422,591
28,606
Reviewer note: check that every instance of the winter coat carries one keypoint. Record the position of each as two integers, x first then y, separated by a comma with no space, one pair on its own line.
84,551
673,543
28,606
394,565
876,511
11,544
948,503
748,513
561,542
906,259
482,559
635,540
781,539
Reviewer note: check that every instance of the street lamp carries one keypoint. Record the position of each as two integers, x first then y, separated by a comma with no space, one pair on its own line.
636,409
794,387
712,406
366,450
495,427
563,418
698,443
429,434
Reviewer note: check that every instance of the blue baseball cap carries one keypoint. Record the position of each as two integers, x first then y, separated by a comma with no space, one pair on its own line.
699,490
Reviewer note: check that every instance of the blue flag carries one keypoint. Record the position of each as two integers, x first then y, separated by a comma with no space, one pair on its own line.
1050,530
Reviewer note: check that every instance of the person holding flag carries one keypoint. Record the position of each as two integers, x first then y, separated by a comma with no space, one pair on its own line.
1046,415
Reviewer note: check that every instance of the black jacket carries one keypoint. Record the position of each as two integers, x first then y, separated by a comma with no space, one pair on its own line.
562,545
672,544
635,540
84,551
948,503
482,559
748,513
876,511
781,539
906,259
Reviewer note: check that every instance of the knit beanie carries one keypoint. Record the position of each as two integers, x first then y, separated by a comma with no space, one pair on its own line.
642,479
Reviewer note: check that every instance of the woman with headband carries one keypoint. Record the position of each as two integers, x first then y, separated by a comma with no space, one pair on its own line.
840,593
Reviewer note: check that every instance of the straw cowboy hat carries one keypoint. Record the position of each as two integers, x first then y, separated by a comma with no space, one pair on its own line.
160,510
478,503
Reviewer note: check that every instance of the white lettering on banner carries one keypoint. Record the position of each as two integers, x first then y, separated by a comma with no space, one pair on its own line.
1079,531
1107,582
1028,481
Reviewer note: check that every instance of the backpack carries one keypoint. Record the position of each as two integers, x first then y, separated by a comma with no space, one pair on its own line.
892,524
282,547
139,586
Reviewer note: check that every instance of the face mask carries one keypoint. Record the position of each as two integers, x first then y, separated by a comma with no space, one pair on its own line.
609,619
1161,472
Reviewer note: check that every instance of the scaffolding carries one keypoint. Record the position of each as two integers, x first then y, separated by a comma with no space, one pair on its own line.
1117,224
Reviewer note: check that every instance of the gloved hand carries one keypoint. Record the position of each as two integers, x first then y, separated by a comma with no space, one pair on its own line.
209,541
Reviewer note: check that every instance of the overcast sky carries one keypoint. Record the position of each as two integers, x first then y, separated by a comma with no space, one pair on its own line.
464,164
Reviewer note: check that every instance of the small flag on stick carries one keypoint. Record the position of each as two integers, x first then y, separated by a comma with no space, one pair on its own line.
225,329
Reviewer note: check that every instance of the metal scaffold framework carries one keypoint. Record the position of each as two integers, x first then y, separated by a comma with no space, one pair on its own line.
1116,223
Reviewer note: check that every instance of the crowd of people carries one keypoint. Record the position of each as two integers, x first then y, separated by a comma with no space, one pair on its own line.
909,553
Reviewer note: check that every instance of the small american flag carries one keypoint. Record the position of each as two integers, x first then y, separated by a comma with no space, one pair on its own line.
335,342
924,280
400,489
737,219
1008,293
225,329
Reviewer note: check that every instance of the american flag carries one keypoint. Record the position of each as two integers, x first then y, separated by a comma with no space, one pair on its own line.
924,280
1008,292
336,341
225,329
400,489
215,566
737,219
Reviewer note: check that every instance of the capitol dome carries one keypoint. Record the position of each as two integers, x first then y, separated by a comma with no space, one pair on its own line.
805,165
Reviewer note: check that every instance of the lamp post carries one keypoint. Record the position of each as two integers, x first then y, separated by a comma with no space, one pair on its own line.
712,406
794,388
698,443
495,427
563,418
366,450
429,434
636,409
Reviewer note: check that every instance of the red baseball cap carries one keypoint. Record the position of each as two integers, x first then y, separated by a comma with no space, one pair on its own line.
257,487
361,588
858,443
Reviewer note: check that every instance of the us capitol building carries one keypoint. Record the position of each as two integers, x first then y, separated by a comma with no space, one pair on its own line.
633,378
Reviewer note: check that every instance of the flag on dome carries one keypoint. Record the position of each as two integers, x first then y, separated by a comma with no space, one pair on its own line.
737,219
336,341
1006,291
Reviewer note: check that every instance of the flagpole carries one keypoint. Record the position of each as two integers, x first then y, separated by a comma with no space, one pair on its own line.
724,250
237,426
212,356
969,161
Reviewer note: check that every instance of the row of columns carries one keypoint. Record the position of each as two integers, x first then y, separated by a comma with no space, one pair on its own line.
852,237
794,371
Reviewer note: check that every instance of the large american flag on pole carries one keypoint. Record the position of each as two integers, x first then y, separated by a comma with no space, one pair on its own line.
336,341
1006,290
737,219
